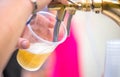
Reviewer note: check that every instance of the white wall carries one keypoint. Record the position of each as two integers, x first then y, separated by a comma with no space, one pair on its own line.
92,32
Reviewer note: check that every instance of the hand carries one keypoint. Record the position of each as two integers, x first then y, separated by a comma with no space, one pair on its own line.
41,26
24,43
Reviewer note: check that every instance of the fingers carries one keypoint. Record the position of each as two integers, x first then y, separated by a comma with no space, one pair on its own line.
42,21
23,43
42,26
62,1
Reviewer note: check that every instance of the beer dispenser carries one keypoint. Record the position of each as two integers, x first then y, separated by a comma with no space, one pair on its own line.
110,8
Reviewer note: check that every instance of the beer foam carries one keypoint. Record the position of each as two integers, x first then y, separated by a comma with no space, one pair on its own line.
40,48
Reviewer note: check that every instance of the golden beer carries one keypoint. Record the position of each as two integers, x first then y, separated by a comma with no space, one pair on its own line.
31,61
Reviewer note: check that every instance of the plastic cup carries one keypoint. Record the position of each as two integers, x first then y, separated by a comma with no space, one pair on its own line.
41,44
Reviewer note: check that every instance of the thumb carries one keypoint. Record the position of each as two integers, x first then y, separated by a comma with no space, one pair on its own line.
23,43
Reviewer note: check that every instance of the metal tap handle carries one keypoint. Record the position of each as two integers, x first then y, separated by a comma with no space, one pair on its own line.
56,30
61,11
71,13
60,16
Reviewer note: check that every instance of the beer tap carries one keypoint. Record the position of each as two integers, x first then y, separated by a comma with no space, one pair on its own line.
60,16
71,13
61,11
110,8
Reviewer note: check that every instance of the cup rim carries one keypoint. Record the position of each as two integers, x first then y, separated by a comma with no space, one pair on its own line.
46,41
